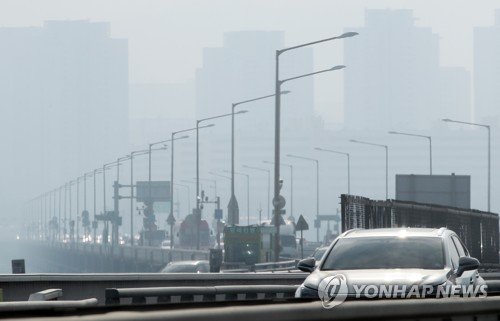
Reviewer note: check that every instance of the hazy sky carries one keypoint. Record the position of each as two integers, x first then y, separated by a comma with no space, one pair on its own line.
166,37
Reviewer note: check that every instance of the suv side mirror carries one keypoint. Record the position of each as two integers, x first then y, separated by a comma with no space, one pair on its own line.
306,265
466,263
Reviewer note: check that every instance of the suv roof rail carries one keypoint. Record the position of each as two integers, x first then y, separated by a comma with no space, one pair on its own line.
350,231
441,230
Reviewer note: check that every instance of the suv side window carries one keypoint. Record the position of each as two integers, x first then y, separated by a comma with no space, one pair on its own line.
454,256
458,245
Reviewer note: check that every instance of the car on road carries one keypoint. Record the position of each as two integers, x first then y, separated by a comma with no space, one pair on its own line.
318,253
187,267
394,256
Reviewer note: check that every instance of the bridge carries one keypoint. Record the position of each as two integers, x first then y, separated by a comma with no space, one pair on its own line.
107,258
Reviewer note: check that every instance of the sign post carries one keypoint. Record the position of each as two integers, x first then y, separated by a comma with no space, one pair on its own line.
302,226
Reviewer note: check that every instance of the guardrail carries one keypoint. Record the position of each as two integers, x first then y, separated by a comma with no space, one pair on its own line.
23,306
198,294
402,309
18,287
445,309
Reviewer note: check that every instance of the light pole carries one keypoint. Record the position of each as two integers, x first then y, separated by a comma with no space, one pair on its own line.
348,164
488,128
132,154
149,211
317,187
268,186
77,208
421,136
87,232
291,183
59,214
248,191
104,168
277,127
198,211
172,139
386,162
94,221
232,207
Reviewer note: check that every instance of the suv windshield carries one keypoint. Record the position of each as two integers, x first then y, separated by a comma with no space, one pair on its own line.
386,253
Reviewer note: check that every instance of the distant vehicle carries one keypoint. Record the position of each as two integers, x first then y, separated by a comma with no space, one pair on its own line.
318,253
412,256
186,233
288,241
187,267
165,244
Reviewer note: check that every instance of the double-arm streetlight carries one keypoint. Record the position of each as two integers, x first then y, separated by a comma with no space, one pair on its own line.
421,136
348,164
291,183
232,207
172,139
277,126
488,128
268,185
386,162
131,158
198,213
317,187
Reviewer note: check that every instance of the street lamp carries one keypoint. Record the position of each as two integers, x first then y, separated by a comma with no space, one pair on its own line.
198,211
233,208
386,162
422,136
317,188
489,151
172,139
268,185
248,190
291,183
131,158
277,127
348,164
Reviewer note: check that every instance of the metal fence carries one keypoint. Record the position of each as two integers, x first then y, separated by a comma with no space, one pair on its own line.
477,229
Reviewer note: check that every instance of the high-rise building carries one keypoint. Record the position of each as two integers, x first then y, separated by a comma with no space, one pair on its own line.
487,72
64,89
393,73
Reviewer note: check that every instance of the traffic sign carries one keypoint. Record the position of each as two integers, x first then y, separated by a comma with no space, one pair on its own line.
302,224
279,202
171,219
218,214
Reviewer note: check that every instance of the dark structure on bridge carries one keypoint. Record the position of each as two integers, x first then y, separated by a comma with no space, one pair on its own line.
477,229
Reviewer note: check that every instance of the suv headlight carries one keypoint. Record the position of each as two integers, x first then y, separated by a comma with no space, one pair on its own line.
305,292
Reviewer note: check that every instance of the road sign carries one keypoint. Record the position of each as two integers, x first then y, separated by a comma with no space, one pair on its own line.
170,219
302,224
160,191
218,214
279,202
317,223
